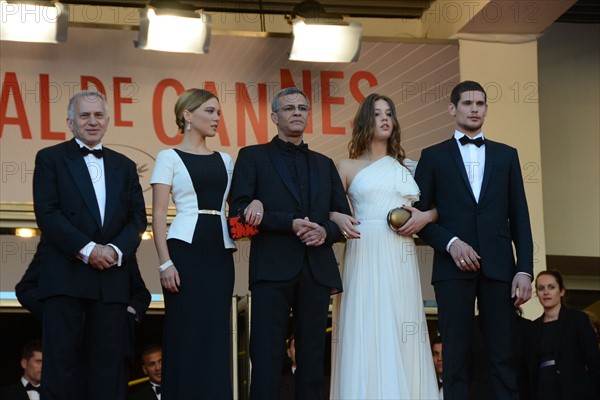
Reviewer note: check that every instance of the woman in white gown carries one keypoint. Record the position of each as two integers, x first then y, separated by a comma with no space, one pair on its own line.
380,339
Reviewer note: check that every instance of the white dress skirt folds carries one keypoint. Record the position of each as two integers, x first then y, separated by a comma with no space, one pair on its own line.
380,340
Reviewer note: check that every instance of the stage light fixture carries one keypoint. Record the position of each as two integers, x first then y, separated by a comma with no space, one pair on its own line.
36,21
179,31
320,36
320,42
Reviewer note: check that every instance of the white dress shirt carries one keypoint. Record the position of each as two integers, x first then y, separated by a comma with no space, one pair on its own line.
154,385
474,161
96,169
33,395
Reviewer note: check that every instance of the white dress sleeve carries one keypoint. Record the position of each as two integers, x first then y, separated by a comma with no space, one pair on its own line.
163,168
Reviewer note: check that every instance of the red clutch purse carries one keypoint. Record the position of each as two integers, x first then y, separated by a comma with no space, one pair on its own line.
239,229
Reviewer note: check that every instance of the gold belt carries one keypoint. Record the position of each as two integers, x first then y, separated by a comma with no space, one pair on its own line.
210,212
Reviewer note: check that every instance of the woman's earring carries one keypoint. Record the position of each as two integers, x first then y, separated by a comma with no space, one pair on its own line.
188,126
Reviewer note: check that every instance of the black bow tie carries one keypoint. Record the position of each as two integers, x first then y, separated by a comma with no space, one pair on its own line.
98,153
466,140
29,387
291,148
156,389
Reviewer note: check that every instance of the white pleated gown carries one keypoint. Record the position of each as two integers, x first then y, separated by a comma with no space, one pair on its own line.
380,344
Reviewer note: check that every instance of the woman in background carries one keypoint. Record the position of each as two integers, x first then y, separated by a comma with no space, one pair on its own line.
565,360
381,342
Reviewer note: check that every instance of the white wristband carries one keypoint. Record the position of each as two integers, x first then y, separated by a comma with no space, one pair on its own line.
165,266
450,243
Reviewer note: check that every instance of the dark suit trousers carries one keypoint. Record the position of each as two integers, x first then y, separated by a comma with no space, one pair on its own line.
83,349
271,303
456,302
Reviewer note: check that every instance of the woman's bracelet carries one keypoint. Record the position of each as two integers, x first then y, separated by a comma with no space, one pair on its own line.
165,266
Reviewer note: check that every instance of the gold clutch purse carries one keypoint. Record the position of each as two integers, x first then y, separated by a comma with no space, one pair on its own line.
397,217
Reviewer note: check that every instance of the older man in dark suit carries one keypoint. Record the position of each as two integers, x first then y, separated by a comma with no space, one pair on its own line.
89,206
477,187
292,264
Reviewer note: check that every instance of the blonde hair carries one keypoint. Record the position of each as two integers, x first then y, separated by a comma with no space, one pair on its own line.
190,100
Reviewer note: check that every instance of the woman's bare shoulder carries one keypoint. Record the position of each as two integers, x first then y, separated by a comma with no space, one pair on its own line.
349,167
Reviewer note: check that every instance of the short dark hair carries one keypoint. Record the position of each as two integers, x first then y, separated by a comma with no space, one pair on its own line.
436,340
151,349
289,91
31,347
466,86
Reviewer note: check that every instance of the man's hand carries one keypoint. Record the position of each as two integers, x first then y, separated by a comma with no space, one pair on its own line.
522,284
103,257
311,233
466,259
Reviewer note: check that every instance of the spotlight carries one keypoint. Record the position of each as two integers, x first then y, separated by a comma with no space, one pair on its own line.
40,21
179,31
322,37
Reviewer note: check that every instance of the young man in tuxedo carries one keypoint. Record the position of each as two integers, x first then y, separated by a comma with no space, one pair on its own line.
28,387
89,207
152,367
292,264
477,187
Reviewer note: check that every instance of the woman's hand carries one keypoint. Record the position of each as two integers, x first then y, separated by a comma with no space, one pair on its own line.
346,223
169,279
417,221
254,213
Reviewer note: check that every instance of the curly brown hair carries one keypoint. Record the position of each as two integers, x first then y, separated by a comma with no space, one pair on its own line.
364,127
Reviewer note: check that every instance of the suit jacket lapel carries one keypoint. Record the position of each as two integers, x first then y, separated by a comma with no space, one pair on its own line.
81,175
282,171
490,154
313,176
453,147
113,175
